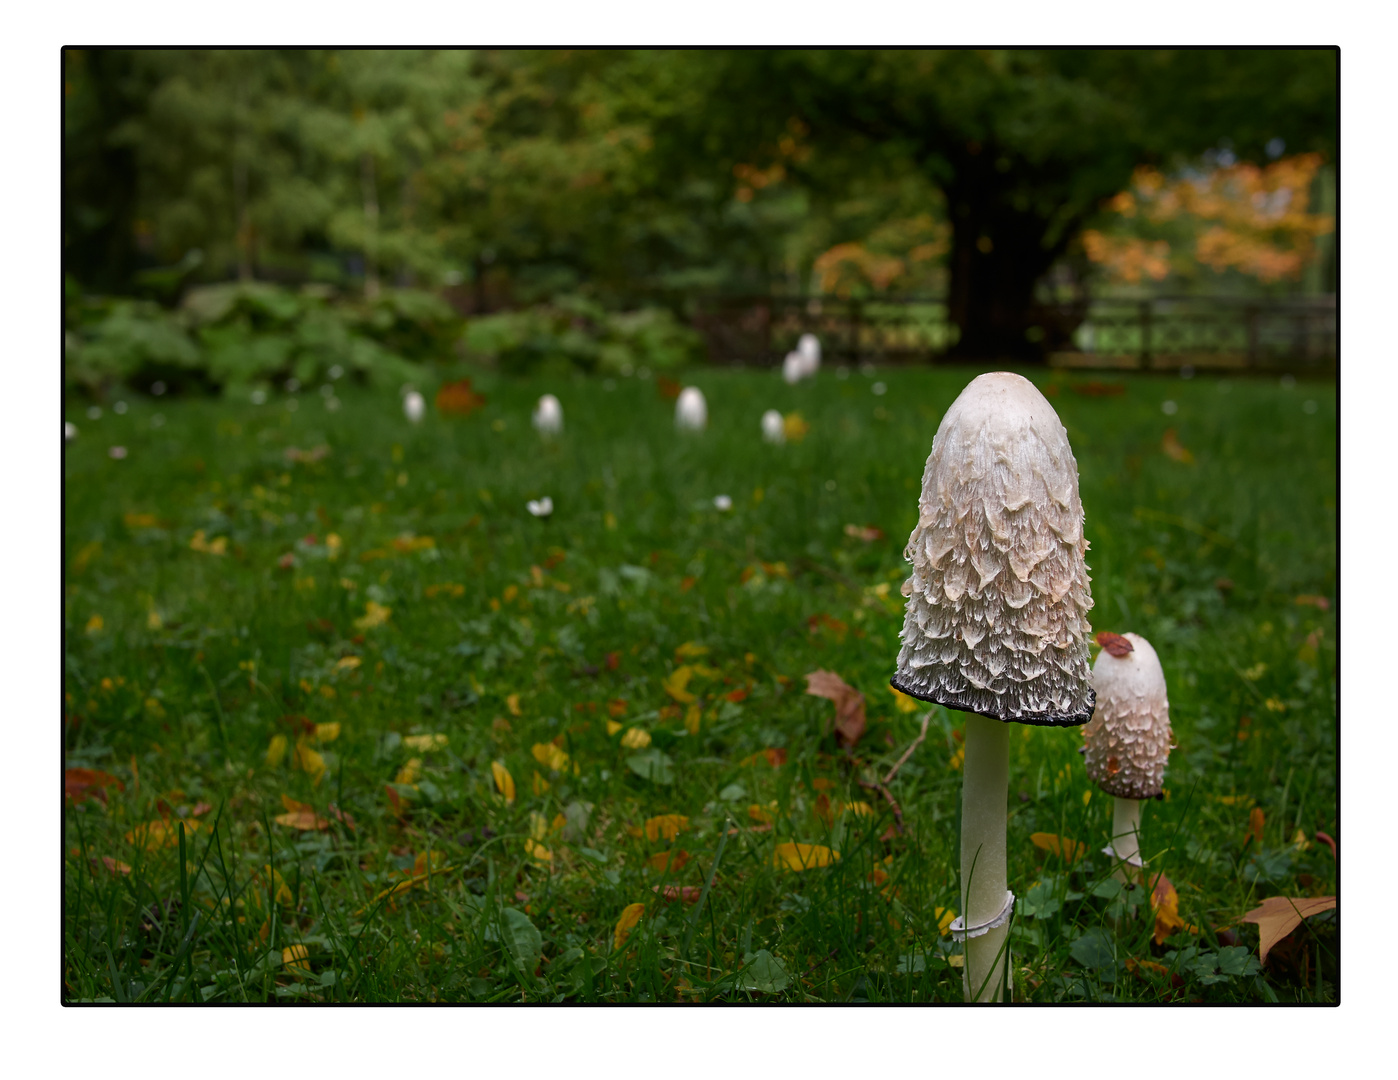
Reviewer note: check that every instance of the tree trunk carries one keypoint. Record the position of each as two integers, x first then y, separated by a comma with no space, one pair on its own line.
1002,245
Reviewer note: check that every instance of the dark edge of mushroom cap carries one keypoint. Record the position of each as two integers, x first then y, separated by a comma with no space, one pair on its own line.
963,704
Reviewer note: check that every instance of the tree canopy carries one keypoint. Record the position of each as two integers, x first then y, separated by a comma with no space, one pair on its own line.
518,176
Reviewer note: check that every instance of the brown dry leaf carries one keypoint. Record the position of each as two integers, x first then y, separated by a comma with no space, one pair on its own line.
1279,915
667,826
1071,850
1314,601
867,533
667,388
688,893
1115,643
80,784
849,705
1174,449
630,916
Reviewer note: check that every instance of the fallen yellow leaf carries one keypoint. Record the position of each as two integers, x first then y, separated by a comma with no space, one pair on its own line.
409,773
668,861
328,732
763,815
674,684
667,826
904,702
276,750
503,781
374,615
692,718
551,756
537,784
537,851
347,663
792,856
690,649
613,727
630,916
309,761
636,739
512,703
425,744
294,959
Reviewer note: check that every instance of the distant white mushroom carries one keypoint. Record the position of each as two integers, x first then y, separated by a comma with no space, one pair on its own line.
116,453
793,368
70,431
773,427
691,412
548,416
1127,741
723,502
414,407
809,348
540,507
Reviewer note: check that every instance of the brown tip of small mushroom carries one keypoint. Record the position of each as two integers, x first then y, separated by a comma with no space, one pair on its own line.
1114,643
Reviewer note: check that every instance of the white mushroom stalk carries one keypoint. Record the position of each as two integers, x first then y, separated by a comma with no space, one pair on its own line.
793,368
414,407
996,620
1127,742
548,416
773,427
809,350
691,412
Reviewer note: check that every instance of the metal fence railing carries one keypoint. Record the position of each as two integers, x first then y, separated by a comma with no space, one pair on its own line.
1155,333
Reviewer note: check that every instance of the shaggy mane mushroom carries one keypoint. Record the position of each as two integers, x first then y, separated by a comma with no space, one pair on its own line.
996,619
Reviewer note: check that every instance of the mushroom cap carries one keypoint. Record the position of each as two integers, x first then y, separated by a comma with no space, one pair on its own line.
996,619
773,426
690,408
548,414
1128,739
793,368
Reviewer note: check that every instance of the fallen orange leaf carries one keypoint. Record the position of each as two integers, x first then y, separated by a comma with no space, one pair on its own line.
1070,850
668,861
1256,821
294,959
1279,915
630,916
1174,449
667,826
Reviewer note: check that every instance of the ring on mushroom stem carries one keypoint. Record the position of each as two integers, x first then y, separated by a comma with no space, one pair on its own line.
996,619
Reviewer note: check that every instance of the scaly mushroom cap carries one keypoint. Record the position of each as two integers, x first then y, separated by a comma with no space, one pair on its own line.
996,621
1128,738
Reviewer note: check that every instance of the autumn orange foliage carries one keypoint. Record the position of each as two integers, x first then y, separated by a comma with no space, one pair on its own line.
1249,218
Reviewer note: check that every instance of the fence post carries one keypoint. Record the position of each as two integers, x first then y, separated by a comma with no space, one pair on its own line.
1251,314
1145,333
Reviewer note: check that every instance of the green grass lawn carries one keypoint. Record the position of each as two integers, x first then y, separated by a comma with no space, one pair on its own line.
325,640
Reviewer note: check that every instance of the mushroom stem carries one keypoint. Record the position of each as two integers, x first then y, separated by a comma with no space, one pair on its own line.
984,797
1126,834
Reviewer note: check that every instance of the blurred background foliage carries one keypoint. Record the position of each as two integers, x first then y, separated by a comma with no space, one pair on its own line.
231,217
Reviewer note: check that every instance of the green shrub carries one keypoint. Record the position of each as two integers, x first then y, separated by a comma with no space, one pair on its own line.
573,332
232,336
